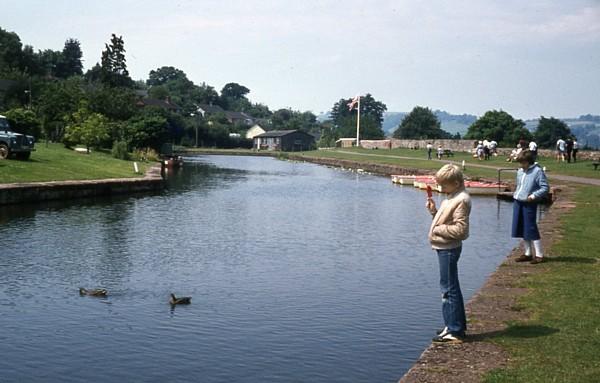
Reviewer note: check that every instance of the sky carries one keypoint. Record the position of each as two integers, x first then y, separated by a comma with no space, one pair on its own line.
529,58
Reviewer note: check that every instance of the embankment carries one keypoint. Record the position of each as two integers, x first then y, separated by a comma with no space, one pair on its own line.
15,193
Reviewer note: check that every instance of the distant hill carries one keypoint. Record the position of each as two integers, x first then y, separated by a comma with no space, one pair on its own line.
451,123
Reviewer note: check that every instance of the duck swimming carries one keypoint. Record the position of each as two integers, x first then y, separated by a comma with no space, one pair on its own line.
180,301
93,292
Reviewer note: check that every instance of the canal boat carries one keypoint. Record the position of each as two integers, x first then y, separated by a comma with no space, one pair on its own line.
403,179
172,161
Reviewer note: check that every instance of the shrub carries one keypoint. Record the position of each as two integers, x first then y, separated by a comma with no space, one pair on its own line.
119,150
145,154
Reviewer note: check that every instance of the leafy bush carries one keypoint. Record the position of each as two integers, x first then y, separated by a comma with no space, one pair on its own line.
119,150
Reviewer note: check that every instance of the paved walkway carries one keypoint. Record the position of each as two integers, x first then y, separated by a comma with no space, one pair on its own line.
559,177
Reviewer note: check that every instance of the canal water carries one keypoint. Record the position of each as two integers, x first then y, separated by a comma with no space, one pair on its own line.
297,273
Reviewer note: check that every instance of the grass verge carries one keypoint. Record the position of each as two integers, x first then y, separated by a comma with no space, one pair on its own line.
418,158
56,163
560,340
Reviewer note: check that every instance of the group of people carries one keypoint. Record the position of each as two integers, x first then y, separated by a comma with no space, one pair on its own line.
439,153
566,150
450,226
485,149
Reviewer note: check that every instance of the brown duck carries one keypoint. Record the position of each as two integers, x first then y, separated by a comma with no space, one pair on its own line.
93,292
180,301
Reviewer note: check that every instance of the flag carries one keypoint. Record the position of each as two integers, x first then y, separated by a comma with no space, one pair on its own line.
352,103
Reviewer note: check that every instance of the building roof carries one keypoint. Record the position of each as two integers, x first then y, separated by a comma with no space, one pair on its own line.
237,115
206,108
346,139
281,133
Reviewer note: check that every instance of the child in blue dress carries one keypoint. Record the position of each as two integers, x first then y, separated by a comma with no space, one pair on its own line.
532,187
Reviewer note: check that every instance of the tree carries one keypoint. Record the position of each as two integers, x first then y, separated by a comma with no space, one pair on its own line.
174,83
234,91
499,126
165,74
549,130
70,63
371,118
116,103
23,121
87,128
420,123
147,130
57,100
113,64
233,97
10,52
287,119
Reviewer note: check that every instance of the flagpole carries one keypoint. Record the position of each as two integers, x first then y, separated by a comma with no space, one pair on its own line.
358,124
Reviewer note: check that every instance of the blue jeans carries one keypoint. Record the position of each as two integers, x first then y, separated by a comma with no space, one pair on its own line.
453,307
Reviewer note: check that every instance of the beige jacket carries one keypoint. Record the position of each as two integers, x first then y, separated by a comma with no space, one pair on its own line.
450,224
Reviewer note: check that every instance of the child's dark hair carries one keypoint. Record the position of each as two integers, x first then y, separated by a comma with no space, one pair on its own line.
526,156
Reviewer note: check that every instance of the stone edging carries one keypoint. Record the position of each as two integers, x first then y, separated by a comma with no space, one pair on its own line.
15,193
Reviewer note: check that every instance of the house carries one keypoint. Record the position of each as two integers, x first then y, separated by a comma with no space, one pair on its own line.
345,142
254,131
207,109
239,118
284,140
165,104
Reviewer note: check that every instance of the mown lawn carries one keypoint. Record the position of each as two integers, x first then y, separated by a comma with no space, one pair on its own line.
560,340
56,163
580,169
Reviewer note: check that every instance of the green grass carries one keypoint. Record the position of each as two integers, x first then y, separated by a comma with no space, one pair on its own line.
560,339
418,159
56,163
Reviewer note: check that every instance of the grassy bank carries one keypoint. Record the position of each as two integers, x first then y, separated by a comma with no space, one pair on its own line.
561,339
418,158
56,163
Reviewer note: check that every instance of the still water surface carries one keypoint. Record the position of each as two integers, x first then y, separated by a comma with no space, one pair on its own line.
298,273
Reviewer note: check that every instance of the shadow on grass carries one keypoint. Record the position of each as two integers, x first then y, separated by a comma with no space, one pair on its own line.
516,331
569,259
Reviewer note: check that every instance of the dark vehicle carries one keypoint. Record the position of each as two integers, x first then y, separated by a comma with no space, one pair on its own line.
11,143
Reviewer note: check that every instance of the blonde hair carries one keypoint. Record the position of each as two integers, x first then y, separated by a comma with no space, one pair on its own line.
449,173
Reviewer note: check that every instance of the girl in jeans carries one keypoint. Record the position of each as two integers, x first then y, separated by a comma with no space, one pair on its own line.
449,228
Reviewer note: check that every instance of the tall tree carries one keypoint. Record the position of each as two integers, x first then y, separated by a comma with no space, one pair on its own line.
233,97
549,130
10,52
113,63
57,100
371,118
499,126
420,123
165,74
70,64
